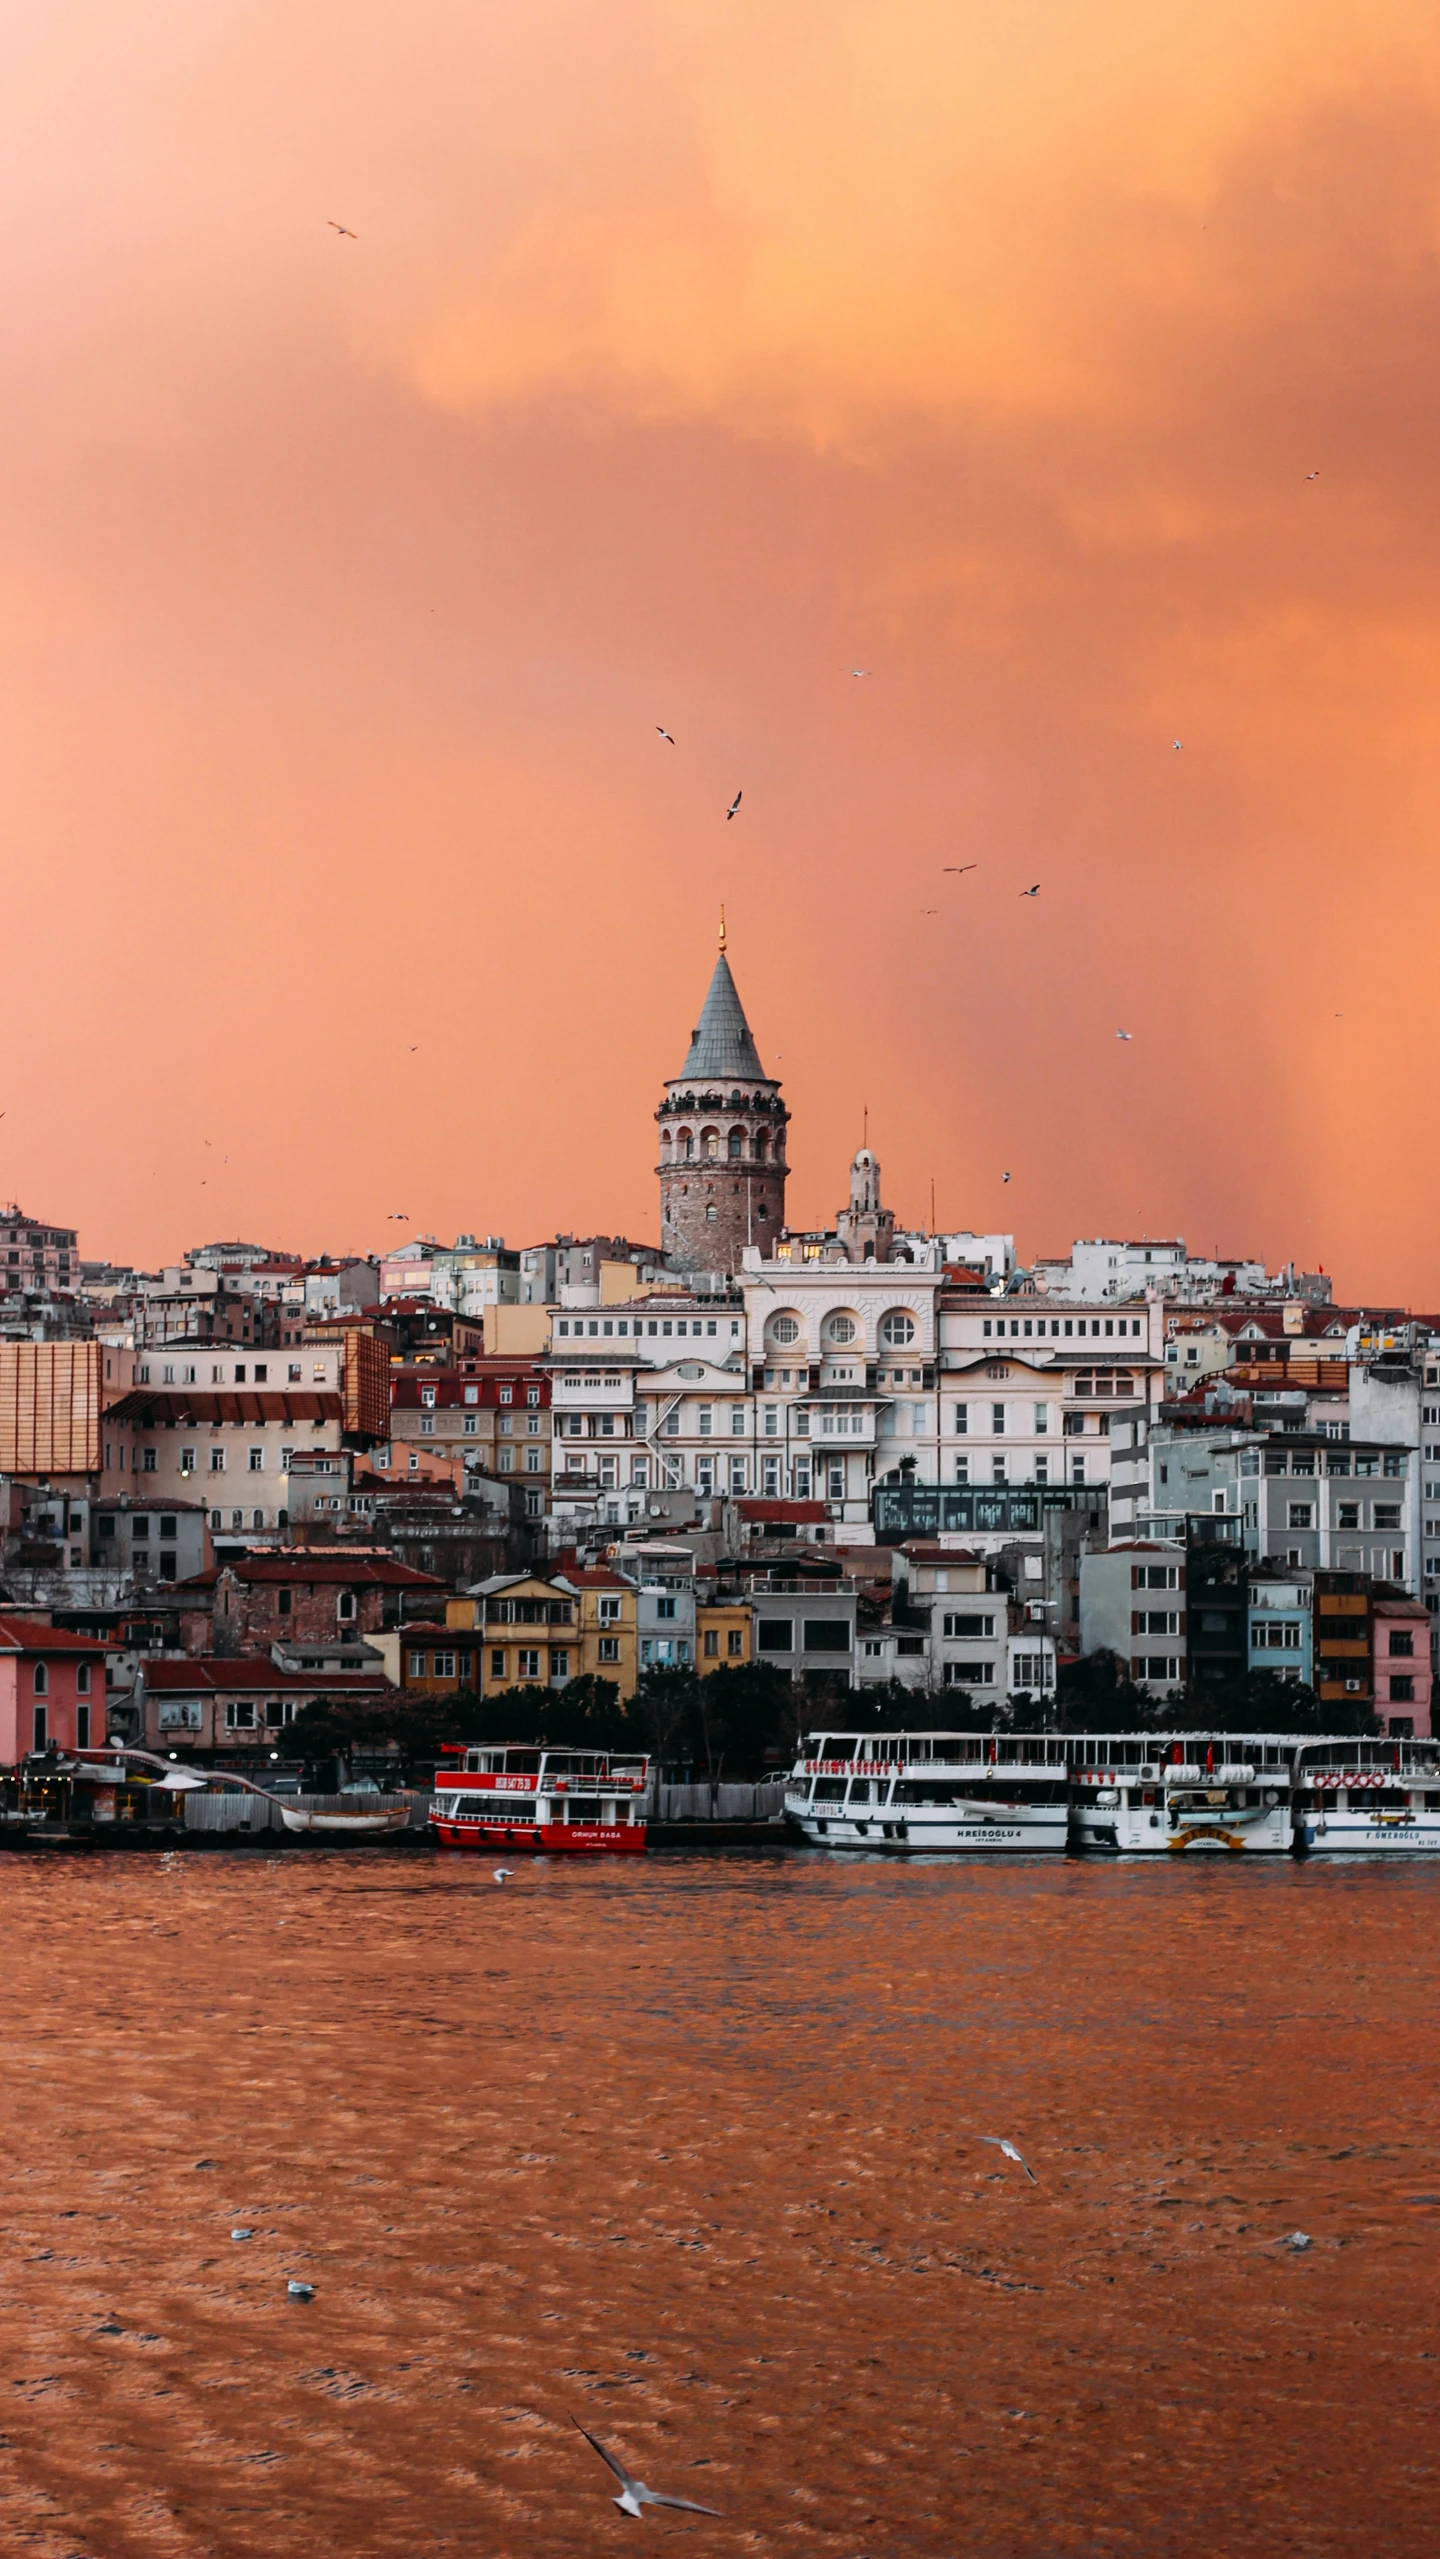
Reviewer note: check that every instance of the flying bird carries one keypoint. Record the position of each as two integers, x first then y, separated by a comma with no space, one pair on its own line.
659,732
1312,475
402,1213
635,2496
503,1874
958,867
735,803
859,670
929,910
998,2142
1177,743
1031,892
344,234
1124,1035
1004,1178
414,1047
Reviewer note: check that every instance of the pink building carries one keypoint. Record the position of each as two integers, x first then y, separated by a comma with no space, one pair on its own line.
1402,1667
52,1689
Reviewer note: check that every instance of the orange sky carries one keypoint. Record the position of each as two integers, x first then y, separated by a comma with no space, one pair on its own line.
690,353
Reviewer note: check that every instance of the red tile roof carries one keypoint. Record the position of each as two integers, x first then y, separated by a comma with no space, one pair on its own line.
27,1635
214,1675
797,1512
144,1411
305,1564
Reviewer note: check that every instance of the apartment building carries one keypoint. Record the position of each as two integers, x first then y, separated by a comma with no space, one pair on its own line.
492,1414
34,1256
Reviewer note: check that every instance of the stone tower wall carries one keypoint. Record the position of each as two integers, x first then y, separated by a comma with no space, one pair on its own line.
714,1200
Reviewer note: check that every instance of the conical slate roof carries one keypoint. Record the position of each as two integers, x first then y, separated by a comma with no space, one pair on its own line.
721,1045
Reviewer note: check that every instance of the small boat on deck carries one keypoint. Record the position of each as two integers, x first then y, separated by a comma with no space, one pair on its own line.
357,1824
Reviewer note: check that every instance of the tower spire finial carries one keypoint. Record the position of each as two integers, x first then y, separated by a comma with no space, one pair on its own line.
722,928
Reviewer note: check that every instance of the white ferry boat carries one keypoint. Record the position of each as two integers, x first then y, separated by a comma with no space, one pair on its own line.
571,1803
916,1793
1368,1798
1151,1793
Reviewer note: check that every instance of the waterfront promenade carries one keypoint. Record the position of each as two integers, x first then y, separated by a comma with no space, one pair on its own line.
689,2149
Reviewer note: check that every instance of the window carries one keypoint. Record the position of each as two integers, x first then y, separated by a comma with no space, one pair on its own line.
664,1606
40,1678
295,1372
609,1648
1301,1514
257,1461
774,1635
527,1663
40,1728
772,1421
1387,1515
1347,1514
842,1329
497,1665
532,1461
187,1461
82,1673
346,1608
282,1603
1402,1642
239,1716
712,1643
784,1330
707,1421
609,1611
997,1419
1278,1635
1402,1689
896,1331
1042,1418
147,1462
960,1624
417,1665
217,1461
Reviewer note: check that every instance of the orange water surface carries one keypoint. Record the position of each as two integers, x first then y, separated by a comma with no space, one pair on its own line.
688,2149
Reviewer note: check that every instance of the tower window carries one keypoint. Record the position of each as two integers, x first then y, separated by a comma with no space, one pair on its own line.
737,1144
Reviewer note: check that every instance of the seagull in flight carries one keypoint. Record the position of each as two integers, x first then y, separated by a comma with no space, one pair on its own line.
929,910
344,234
503,1874
1177,743
1031,892
998,2142
402,1213
956,868
1004,1178
1124,1035
730,812
659,732
635,2495
859,670
1312,475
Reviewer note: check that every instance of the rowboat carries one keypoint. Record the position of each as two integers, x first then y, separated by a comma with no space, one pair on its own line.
367,1825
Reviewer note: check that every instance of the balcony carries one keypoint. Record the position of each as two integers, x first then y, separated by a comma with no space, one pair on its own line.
609,1390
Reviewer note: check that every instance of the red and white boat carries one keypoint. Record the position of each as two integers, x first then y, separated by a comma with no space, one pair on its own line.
570,1803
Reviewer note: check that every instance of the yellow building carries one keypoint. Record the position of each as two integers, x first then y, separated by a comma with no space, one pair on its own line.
534,1632
607,1616
722,1633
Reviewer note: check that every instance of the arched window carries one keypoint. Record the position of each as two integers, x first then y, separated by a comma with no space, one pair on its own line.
897,1330
664,1141
710,1143
784,1331
841,1330
737,1144
686,1144
760,1146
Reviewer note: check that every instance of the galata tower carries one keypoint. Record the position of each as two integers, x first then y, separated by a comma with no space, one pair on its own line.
722,1141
